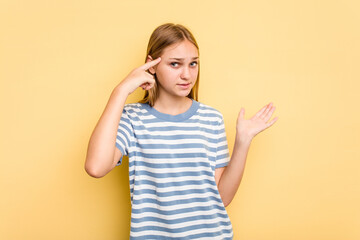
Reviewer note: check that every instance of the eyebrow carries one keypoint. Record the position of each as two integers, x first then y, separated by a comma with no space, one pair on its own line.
181,59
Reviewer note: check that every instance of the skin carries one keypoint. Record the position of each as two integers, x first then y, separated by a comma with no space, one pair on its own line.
176,77
228,178
176,74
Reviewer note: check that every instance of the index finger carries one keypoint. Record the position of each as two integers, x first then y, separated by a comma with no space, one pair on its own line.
261,111
150,64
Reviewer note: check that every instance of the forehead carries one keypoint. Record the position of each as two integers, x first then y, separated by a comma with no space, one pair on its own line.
184,49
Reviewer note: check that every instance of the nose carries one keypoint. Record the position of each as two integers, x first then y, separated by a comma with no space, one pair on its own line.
185,74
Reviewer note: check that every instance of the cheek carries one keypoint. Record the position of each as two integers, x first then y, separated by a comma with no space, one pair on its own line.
166,70
195,72
172,72
166,74
161,71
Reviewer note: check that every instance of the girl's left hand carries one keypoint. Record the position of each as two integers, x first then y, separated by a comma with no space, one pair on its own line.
249,128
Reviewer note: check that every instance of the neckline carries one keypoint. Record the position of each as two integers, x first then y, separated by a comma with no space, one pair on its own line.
174,118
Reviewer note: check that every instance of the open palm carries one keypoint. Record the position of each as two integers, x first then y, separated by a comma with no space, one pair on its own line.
259,122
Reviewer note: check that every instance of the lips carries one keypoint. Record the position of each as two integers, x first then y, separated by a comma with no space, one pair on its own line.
185,85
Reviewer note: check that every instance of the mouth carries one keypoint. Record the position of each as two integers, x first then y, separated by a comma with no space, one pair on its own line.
184,86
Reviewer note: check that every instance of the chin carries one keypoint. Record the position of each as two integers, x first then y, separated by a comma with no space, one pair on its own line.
185,94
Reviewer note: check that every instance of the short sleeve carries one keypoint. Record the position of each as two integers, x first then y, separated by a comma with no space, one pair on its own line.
123,137
222,150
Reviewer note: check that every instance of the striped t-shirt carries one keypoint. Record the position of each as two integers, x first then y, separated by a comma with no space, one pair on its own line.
172,161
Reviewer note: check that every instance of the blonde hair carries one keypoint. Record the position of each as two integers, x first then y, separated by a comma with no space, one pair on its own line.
162,37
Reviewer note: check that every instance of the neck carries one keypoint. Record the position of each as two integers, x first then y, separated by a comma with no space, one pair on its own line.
172,106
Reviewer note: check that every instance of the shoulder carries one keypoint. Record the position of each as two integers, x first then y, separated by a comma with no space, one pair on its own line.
135,109
206,109
210,114
132,106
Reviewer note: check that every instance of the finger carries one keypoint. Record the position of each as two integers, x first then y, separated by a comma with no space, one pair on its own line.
152,84
143,86
269,114
150,81
147,78
150,74
258,114
265,112
272,122
150,64
149,86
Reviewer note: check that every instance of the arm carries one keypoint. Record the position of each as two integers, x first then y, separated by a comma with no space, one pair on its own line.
229,178
100,158
102,154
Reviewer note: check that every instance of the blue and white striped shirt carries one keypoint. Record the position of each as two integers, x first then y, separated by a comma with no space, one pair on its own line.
172,161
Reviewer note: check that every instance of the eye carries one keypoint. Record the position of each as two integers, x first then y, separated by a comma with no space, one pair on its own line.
193,63
174,64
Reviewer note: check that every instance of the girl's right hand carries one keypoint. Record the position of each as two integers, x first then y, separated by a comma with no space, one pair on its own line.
139,77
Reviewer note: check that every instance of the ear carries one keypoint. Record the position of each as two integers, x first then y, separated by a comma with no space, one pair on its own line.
152,69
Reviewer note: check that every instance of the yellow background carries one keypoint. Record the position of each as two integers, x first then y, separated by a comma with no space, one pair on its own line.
60,60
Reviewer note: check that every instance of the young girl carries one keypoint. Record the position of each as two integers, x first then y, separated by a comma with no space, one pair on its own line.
181,176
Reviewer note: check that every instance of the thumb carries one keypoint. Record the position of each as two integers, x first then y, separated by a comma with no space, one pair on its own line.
242,113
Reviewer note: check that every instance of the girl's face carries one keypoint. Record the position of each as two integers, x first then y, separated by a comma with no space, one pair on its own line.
178,69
